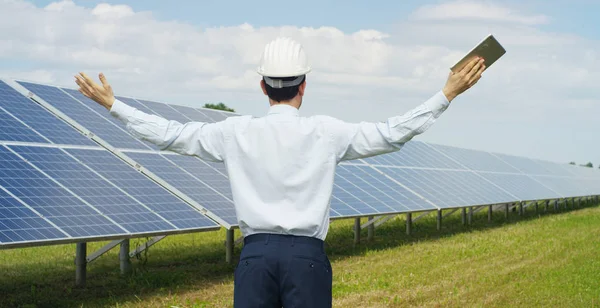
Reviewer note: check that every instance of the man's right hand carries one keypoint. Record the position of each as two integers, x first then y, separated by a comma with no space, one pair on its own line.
101,94
464,79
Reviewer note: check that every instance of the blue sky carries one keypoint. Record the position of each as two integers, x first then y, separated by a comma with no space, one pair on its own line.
579,16
371,61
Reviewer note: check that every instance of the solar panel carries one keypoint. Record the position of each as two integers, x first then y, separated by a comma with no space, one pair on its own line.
395,196
101,123
193,114
555,168
12,129
475,160
190,185
447,188
165,111
99,193
18,223
51,200
567,187
524,164
414,154
209,175
217,116
134,103
521,186
143,189
37,118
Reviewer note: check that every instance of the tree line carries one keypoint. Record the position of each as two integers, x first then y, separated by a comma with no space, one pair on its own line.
589,164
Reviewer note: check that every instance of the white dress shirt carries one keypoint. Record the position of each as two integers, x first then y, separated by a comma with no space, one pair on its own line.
281,166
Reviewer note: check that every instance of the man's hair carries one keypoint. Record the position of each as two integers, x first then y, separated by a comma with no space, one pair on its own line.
283,94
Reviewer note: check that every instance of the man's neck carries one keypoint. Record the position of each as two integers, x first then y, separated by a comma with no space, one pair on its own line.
291,103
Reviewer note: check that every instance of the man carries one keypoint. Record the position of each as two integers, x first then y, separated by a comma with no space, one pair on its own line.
281,169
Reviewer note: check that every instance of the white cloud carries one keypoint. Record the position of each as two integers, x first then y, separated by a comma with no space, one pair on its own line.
476,10
536,97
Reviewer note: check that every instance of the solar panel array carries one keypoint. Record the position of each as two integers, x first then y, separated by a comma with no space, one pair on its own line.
71,172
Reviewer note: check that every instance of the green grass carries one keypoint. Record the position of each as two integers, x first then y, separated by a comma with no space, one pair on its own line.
551,260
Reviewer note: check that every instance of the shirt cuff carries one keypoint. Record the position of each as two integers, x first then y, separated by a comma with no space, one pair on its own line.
121,110
437,104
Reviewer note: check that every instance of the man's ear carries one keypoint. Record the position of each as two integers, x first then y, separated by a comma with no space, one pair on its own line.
301,88
263,87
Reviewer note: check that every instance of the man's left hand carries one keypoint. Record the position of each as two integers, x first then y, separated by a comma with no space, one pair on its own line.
101,94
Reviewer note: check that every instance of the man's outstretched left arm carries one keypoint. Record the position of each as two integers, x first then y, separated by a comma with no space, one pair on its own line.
204,140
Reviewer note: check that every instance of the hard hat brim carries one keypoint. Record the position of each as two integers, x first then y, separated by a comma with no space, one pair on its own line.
265,73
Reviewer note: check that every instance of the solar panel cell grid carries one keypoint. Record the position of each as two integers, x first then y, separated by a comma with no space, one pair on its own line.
193,114
135,104
96,191
415,154
189,185
476,160
524,164
182,215
165,111
51,200
217,116
394,195
20,224
522,186
95,122
212,177
36,117
13,130
447,188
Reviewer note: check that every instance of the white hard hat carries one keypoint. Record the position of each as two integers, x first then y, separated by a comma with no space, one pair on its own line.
283,57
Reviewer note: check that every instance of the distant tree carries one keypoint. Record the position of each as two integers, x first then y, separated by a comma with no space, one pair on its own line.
219,106
572,163
589,165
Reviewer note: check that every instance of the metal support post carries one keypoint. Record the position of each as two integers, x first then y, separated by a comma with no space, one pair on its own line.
439,220
229,246
80,264
521,209
506,210
408,223
556,205
124,260
546,204
370,230
356,230
463,215
490,213
537,207
470,215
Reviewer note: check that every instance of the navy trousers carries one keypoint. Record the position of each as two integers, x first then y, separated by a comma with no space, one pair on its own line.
282,271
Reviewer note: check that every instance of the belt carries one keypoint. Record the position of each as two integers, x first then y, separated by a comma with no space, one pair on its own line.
283,238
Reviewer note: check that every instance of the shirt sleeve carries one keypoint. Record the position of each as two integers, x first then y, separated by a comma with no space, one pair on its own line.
361,140
201,139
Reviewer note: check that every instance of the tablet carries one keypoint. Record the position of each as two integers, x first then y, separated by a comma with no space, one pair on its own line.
489,49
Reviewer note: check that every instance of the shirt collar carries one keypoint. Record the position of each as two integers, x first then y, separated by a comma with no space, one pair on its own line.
283,109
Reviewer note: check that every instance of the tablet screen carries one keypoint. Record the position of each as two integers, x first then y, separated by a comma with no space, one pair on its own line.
489,49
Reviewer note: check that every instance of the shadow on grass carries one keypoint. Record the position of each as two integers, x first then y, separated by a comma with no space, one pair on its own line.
173,268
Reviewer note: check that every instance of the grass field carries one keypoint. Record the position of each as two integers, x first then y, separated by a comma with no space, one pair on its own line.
551,260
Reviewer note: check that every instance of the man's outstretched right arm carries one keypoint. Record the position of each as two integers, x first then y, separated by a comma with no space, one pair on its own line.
360,140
